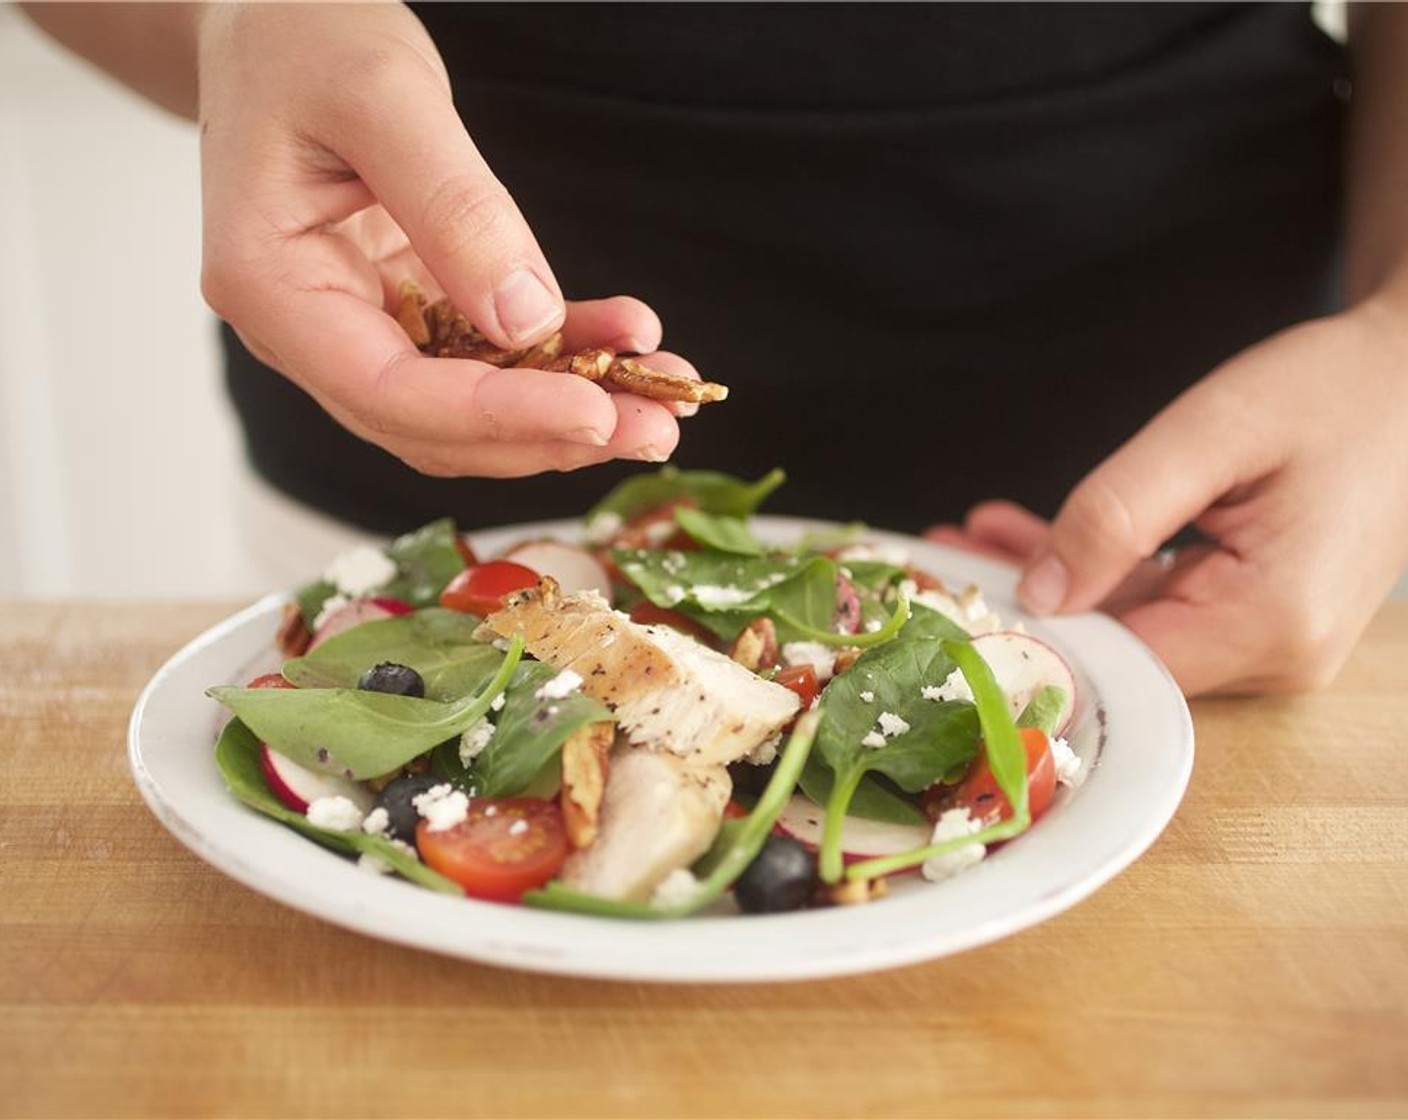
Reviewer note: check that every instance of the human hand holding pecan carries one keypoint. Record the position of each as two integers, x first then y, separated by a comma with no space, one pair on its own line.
334,166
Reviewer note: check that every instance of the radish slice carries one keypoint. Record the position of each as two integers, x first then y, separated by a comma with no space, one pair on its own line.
802,819
1023,666
575,569
353,614
298,787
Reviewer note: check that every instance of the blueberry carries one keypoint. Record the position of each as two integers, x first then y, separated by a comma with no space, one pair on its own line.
781,877
396,799
397,680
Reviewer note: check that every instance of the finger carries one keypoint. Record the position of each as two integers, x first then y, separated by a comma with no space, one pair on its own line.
397,127
343,349
623,323
1122,511
1009,527
1200,627
645,429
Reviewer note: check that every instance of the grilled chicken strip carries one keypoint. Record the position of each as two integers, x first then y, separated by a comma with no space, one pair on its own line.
668,692
660,813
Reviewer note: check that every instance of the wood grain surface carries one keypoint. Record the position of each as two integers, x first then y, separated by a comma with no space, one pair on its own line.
1254,962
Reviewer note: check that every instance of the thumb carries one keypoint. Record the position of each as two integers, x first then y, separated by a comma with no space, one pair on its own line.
1121,512
403,136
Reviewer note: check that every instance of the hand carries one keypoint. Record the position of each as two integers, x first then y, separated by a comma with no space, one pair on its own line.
1292,458
334,166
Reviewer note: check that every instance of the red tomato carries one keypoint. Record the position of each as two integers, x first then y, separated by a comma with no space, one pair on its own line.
270,680
979,794
481,588
733,811
503,848
801,679
648,614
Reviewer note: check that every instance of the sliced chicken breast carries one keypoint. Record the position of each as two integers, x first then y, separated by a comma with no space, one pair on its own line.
667,691
659,814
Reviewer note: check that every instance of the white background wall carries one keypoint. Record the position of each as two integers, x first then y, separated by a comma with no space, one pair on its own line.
117,453
119,460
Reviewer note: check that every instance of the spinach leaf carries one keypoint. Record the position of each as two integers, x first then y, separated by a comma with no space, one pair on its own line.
439,644
1007,759
361,734
529,732
1044,709
873,800
718,531
426,560
712,491
735,846
237,759
936,736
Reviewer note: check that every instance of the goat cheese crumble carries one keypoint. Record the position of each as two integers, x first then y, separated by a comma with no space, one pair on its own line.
560,687
337,814
442,807
953,825
955,687
360,571
821,658
475,738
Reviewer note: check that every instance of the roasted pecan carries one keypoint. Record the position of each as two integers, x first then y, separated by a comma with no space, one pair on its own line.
585,764
293,636
756,646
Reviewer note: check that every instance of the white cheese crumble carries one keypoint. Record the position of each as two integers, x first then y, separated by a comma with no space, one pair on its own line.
378,822
337,814
955,687
1067,763
674,593
892,725
764,754
953,825
676,889
601,528
873,626
560,687
518,828
360,571
821,658
873,739
331,605
708,595
497,703
442,807
475,738
884,553
867,696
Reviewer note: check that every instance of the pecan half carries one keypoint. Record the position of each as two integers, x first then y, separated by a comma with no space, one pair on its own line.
756,645
585,764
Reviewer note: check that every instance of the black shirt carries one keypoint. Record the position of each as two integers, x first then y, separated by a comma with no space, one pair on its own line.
938,252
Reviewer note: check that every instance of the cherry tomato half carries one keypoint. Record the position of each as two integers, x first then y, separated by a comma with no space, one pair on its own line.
502,849
270,680
801,679
481,589
980,795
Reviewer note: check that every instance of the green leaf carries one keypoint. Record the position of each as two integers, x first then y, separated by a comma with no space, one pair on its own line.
310,599
529,732
439,644
734,848
940,735
237,759
873,800
360,734
719,531
426,560
1002,744
1044,709
712,491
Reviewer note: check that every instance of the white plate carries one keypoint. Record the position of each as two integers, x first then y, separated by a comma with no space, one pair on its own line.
1132,732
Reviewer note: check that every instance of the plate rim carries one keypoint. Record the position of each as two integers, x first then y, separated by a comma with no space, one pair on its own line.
852,947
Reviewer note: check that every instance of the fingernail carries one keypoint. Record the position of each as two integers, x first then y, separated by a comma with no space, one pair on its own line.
588,436
1043,588
525,306
630,344
651,454
686,408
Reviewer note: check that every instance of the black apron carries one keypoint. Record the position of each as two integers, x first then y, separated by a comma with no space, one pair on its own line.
938,252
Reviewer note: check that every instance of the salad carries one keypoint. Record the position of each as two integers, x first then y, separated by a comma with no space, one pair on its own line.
667,715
